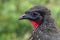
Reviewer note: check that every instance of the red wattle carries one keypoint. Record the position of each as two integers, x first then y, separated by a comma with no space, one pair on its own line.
35,23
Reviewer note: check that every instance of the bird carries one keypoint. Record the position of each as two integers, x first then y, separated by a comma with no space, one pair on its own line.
45,27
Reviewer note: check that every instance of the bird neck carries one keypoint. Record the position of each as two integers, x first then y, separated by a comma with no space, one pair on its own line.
36,23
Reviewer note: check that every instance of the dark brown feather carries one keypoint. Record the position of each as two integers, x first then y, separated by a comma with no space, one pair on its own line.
48,29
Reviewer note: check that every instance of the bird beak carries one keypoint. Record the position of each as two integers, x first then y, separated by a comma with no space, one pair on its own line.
24,16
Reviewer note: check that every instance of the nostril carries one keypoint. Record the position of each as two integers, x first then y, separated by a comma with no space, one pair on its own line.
23,16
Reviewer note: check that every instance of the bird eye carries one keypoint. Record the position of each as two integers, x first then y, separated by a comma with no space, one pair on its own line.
35,13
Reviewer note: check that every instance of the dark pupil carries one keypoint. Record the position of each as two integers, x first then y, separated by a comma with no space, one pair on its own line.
35,13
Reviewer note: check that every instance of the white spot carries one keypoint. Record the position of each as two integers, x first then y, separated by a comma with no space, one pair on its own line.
39,31
37,36
39,39
31,38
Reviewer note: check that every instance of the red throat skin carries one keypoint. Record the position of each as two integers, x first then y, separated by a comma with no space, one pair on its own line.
35,23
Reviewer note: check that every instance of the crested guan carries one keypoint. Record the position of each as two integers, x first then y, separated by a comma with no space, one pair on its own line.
44,25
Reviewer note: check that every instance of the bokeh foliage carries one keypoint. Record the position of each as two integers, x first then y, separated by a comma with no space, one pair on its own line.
13,29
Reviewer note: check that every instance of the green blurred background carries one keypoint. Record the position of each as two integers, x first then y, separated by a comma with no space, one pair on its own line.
13,29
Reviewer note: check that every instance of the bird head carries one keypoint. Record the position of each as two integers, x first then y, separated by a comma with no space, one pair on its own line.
35,15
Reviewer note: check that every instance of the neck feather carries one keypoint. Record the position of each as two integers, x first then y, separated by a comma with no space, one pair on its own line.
35,23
